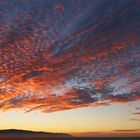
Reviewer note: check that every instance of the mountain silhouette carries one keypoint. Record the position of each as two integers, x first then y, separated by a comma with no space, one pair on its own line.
15,132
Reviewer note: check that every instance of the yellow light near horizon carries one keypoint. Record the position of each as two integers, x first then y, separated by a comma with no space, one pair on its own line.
99,119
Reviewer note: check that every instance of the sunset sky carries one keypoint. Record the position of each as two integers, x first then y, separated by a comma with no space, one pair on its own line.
70,66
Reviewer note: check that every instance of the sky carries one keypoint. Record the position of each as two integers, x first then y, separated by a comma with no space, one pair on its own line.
70,66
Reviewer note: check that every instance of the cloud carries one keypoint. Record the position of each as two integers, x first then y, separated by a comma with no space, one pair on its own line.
127,130
134,119
62,56
136,113
137,108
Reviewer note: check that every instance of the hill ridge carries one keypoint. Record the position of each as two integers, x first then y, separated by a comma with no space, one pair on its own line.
20,132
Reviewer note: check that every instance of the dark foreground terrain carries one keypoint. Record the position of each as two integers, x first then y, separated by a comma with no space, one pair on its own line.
63,138
13,134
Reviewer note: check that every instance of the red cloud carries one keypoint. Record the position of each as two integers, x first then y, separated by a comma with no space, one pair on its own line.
49,69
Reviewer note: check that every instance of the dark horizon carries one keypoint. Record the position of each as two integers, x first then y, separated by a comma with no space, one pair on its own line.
29,133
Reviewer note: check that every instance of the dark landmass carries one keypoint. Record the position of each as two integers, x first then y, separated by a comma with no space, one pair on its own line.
27,133
13,134
66,138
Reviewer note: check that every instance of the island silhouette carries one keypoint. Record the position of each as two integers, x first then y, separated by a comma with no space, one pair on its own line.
28,133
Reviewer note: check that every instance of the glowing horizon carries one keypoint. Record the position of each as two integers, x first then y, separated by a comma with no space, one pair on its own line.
75,122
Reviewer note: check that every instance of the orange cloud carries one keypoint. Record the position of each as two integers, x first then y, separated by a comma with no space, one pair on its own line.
49,63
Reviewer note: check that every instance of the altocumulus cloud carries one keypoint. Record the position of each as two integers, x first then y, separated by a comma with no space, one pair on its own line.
62,55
